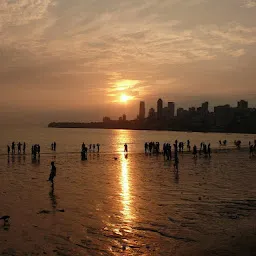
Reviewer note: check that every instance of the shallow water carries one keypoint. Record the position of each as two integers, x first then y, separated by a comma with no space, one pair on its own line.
135,205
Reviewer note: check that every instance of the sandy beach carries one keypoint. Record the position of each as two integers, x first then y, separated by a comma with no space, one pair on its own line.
136,205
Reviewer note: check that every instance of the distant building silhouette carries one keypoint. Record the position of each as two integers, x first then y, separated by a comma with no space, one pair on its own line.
159,109
124,117
180,112
106,119
242,104
171,108
224,115
205,107
142,111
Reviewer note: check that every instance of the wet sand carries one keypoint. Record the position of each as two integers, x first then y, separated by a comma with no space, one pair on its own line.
136,205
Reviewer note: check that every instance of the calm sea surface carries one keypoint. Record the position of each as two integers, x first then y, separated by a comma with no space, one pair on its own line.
135,205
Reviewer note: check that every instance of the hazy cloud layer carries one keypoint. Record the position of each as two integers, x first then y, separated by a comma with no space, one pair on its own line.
62,54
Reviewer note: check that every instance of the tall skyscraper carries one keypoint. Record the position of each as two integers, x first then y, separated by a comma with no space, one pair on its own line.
142,111
159,109
205,107
171,108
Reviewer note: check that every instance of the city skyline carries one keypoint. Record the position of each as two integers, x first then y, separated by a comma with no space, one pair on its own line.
64,60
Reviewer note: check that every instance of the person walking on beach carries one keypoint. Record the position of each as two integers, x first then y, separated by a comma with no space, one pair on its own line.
93,147
8,150
54,146
98,147
53,172
125,147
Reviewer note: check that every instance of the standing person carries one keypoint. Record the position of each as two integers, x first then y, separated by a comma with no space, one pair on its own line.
125,147
176,163
53,172
251,148
38,150
8,150
209,150
24,148
19,148
146,147
188,145
54,146
195,151
13,147
98,147
93,146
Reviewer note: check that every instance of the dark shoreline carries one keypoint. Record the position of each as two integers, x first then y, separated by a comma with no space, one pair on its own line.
132,126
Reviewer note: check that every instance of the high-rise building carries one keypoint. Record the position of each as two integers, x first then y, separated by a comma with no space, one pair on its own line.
142,111
171,108
124,117
159,109
242,104
205,107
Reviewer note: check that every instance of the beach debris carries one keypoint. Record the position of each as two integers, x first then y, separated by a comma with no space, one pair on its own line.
44,212
115,158
47,211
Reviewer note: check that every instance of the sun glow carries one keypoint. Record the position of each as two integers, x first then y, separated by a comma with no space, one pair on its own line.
125,98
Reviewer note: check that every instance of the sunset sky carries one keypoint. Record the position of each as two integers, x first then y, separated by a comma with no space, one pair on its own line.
82,59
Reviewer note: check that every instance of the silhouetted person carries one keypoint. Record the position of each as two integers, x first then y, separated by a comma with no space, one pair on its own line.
98,147
125,147
188,145
8,150
220,142
176,163
54,146
38,150
209,150
195,151
24,148
251,149
53,172
19,148
13,147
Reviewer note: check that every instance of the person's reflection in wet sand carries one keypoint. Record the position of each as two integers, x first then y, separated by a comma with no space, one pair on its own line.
126,155
13,159
176,176
53,198
8,160
24,158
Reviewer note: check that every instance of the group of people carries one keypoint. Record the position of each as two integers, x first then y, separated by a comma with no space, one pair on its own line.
92,147
35,150
204,148
53,146
152,147
224,143
19,147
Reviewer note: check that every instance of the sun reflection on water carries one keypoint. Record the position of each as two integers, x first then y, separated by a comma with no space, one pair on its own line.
125,176
126,198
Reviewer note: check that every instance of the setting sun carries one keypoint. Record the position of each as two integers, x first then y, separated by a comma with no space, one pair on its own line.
124,98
